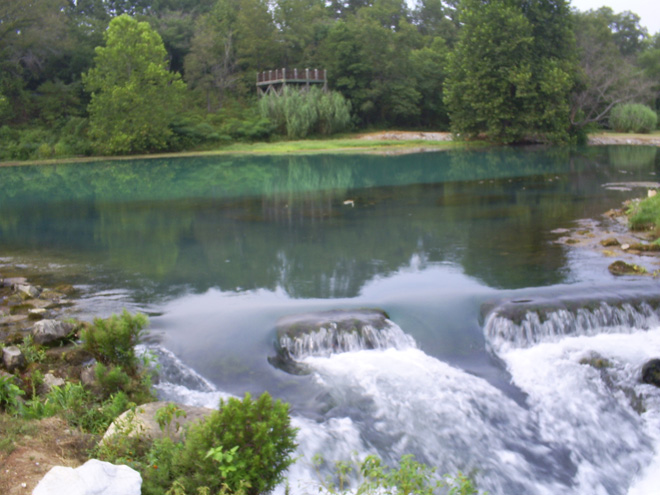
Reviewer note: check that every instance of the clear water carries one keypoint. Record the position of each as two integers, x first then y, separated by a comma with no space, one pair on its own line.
217,249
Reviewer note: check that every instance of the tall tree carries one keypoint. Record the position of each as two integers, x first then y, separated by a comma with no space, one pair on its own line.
134,96
211,66
606,76
502,80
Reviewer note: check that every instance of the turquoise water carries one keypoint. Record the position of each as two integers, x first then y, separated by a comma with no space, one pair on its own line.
217,249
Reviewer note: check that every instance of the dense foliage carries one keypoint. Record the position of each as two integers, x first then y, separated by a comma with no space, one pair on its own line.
633,117
102,76
246,445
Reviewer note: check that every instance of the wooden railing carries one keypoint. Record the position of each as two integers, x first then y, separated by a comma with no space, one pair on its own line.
291,75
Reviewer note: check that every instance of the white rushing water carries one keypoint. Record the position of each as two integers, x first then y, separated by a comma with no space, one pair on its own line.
587,425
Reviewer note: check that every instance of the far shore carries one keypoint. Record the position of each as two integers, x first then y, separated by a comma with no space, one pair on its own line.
382,142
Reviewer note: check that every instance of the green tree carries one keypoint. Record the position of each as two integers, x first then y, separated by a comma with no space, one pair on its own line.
507,78
606,77
134,96
211,66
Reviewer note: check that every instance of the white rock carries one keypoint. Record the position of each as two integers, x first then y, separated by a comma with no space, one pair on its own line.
92,478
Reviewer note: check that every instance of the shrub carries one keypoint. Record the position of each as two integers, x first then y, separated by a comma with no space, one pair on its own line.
645,214
372,476
245,445
633,117
301,113
112,341
9,393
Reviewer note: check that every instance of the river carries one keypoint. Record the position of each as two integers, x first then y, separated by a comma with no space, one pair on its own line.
499,324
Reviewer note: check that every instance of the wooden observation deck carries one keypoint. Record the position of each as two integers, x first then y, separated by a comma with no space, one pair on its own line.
274,81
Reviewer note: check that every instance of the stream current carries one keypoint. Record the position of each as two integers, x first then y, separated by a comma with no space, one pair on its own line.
508,356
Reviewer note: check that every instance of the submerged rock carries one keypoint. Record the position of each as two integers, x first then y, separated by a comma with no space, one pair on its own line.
651,372
92,478
622,268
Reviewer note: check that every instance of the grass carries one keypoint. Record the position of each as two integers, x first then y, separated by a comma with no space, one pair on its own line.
348,143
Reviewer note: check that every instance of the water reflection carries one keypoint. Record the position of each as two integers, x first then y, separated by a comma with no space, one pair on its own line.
316,226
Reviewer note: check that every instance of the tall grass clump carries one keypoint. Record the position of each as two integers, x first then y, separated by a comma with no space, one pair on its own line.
645,215
298,114
633,117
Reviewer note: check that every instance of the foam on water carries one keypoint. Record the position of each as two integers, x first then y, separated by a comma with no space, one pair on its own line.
580,431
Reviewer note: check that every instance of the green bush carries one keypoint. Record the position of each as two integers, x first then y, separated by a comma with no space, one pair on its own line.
372,476
112,341
245,445
633,117
9,394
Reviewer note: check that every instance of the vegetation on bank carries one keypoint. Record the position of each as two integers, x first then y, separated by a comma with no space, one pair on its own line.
106,77
644,215
243,448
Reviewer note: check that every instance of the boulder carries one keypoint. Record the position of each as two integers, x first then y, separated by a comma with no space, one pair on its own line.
651,372
12,358
142,421
45,331
92,478
27,291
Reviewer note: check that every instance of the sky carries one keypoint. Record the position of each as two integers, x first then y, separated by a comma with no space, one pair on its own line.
647,10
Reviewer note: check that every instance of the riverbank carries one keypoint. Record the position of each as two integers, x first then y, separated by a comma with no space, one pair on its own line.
390,142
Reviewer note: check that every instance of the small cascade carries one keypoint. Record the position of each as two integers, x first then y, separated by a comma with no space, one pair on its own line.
177,382
523,330
333,340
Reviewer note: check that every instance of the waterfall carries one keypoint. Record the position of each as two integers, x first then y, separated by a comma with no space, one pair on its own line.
503,332
331,339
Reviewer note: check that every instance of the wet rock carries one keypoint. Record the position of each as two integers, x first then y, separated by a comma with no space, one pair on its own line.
12,281
611,241
595,360
143,421
651,372
12,358
92,478
622,268
52,295
45,331
13,320
26,291
329,332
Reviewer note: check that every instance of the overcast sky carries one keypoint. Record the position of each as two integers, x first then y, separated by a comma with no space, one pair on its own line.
647,10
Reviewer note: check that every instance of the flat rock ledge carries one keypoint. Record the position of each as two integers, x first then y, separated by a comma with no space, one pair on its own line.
92,478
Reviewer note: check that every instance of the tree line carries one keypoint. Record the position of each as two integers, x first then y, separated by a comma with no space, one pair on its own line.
126,76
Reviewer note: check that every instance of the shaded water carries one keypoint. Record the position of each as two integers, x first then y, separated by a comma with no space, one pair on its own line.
217,250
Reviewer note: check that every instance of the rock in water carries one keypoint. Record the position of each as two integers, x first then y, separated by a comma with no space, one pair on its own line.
651,372
45,331
330,332
92,478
